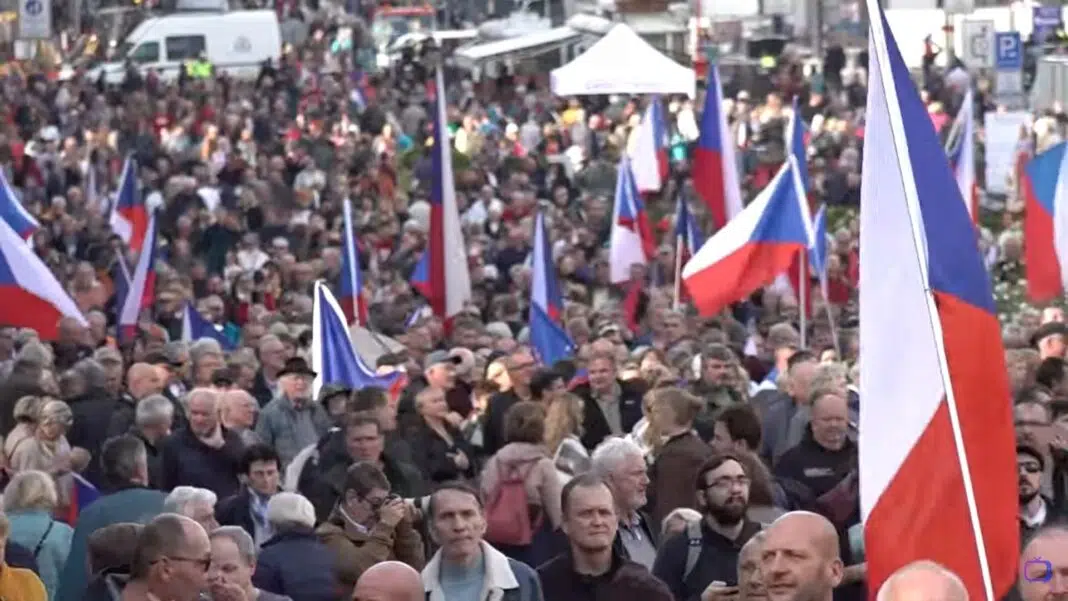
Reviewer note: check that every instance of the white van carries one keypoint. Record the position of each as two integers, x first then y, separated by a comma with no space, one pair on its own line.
235,42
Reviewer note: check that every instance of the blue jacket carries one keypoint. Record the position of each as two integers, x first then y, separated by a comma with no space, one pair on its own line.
138,505
297,565
39,532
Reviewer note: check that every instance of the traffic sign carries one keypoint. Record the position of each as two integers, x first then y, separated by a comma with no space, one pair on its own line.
978,40
1045,20
1008,51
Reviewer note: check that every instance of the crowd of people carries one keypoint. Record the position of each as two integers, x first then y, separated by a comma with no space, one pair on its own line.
673,457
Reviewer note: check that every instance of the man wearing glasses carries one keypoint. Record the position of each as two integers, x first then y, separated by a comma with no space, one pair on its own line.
705,556
173,556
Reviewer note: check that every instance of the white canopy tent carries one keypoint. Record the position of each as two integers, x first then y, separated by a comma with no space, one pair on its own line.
622,63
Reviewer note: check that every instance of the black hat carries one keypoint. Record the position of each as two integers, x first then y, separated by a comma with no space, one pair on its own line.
1048,329
298,366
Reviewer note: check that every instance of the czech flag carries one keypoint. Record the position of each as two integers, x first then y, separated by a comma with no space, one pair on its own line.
16,215
631,240
334,359
129,215
715,168
817,253
753,248
547,334
938,475
353,300
142,291
441,275
1045,188
798,274
195,326
33,298
649,160
688,238
962,156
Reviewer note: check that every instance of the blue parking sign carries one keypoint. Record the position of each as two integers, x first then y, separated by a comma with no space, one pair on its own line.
1008,51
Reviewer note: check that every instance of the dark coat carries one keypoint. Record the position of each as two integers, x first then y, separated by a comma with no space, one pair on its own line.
154,454
235,511
816,468
189,462
431,454
718,561
297,565
595,425
624,580
493,430
92,416
673,474
651,531
261,390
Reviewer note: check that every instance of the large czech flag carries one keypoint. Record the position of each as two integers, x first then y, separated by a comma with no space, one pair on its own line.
938,476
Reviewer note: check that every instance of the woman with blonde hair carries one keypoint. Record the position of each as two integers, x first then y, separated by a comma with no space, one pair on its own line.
563,427
49,451
27,410
29,500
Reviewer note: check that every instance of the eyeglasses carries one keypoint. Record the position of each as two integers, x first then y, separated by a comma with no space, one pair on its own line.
726,482
201,562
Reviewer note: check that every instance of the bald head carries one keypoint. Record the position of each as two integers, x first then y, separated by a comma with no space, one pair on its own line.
389,581
799,560
810,525
923,581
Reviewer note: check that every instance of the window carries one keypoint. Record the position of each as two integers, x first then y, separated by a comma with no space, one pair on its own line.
147,52
184,47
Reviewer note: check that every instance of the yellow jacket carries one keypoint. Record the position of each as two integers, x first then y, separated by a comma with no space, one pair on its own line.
21,585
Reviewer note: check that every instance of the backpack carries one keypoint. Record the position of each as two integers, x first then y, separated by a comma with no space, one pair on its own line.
508,515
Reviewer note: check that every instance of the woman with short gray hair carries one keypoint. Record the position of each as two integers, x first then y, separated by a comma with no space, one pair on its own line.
294,562
233,561
29,500
49,451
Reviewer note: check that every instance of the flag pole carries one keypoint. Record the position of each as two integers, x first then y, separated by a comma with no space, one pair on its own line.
678,273
801,283
830,316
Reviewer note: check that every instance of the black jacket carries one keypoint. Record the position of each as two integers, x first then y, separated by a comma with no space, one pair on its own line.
297,565
718,561
493,430
234,511
816,468
92,416
595,425
625,580
261,390
189,462
647,528
154,454
432,454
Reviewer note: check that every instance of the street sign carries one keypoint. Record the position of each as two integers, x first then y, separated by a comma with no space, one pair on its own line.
978,41
1045,20
1008,51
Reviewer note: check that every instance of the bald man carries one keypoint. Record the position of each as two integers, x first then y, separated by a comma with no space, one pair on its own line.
142,380
1044,565
923,581
800,560
389,581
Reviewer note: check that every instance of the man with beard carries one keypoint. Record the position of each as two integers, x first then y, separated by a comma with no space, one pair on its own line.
800,559
1035,509
592,568
708,551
